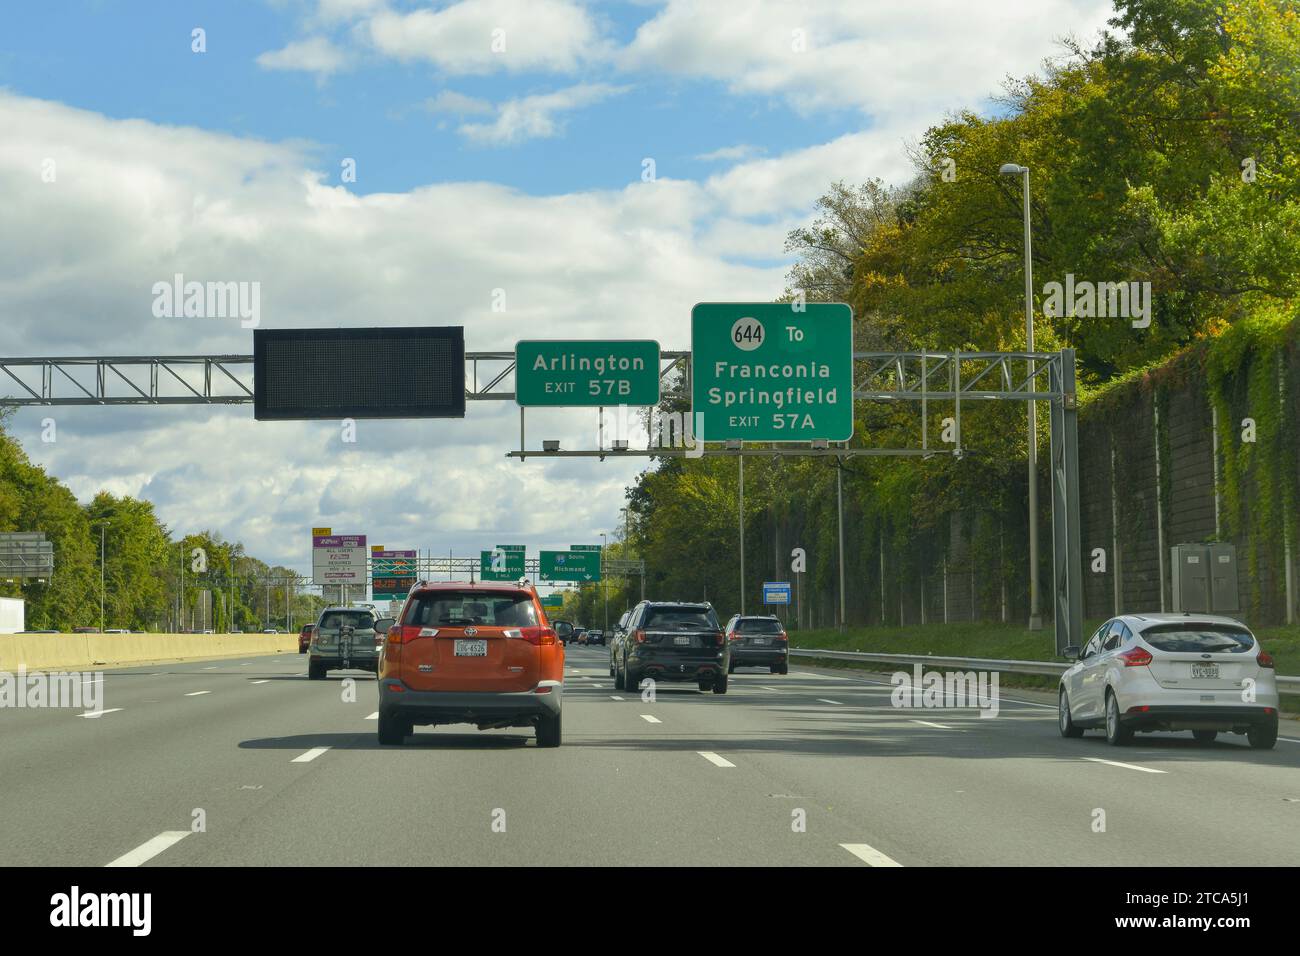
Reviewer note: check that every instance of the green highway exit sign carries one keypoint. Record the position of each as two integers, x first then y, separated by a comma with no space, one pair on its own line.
768,372
568,372
501,565
569,566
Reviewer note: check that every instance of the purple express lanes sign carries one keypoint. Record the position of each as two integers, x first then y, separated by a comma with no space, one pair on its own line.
339,559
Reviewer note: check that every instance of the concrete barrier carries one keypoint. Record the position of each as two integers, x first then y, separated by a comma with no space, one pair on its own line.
84,651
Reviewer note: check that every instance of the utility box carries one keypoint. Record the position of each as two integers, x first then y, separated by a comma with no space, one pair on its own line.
1204,578
1223,579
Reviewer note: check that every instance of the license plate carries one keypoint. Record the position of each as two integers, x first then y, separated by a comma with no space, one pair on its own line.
471,648
759,640
684,639
1206,670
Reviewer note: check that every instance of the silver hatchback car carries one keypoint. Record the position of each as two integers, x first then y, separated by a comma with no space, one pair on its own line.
1146,672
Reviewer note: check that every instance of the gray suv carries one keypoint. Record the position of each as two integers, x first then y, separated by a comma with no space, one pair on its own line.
344,638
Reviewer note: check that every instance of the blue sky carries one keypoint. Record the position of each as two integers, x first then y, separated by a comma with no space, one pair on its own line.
516,170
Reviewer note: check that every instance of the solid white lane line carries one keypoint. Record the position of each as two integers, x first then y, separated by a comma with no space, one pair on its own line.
614,697
245,664
825,701
1290,740
928,723
650,718
198,693
310,755
265,680
596,686
869,855
100,713
212,668
1126,766
150,848
714,759
92,680
765,687
374,716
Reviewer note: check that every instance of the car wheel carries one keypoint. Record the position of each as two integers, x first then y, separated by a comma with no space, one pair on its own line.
1263,736
1063,719
548,731
392,731
706,686
731,668
1205,736
302,650
720,684
619,678
611,669
784,669
315,670
1117,735
631,679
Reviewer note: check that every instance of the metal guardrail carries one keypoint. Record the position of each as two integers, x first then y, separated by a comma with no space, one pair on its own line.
1289,685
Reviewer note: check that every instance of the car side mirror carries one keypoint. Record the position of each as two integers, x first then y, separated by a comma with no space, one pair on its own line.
563,629
1071,653
383,624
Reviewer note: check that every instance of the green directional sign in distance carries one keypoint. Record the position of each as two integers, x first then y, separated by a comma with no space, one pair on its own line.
764,372
501,565
580,372
584,547
569,566
553,602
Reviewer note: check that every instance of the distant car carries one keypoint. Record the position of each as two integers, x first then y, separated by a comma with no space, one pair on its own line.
270,630
673,641
759,642
85,630
344,638
580,634
477,654
304,637
117,630
596,637
1148,672
614,640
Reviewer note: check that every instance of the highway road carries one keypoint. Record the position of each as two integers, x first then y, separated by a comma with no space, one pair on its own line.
282,770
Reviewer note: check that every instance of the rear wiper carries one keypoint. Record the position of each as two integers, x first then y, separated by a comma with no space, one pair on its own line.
1223,647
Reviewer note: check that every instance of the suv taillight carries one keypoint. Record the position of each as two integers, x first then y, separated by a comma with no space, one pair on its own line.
639,636
720,638
783,636
1136,657
1265,659
537,635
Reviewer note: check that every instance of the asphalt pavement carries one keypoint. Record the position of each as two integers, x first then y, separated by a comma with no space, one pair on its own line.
245,762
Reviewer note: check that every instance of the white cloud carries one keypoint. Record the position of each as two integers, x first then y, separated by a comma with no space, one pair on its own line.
883,58
535,117
313,55
729,153
135,202
457,104
543,35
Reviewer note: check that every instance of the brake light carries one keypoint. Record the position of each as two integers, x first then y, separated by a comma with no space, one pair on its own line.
533,635
1136,657
639,636
1265,659
719,638
782,636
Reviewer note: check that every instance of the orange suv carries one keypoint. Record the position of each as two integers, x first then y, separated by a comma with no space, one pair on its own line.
481,654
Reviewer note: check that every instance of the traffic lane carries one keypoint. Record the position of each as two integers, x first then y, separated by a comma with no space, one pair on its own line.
456,796
1008,790
81,792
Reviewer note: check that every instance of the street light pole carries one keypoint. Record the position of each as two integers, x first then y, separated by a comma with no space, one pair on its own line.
1035,613
839,507
102,526
604,579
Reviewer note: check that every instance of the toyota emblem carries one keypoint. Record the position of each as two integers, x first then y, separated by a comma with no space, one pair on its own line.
471,631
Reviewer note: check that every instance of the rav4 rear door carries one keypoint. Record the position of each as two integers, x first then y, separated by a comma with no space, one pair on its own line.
472,640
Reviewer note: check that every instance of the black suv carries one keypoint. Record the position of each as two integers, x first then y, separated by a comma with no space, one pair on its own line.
758,642
672,641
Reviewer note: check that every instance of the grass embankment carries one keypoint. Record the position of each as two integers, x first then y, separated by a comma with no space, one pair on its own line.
1003,641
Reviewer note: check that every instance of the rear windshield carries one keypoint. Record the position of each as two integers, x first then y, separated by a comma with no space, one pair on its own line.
758,625
462,608
682,617
358,620
1201,638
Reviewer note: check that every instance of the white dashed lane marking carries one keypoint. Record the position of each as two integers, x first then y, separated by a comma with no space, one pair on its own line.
101,713
198,693
930,723
869,855
151,848
650,718
715,759
1126,766
310,755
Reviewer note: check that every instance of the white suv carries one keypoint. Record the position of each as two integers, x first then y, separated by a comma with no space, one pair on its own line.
1191,672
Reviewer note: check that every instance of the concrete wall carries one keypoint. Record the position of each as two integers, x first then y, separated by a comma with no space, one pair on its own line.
84,651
